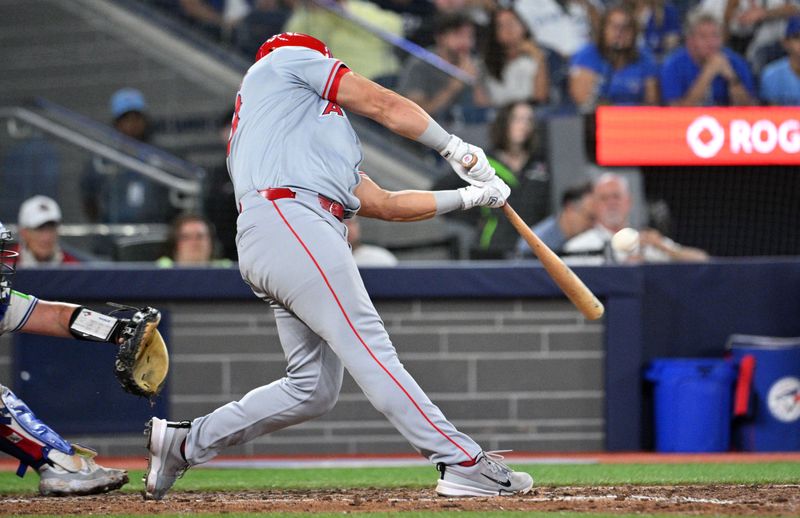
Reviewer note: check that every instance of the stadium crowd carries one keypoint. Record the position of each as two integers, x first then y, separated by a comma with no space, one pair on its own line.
587,52
506,65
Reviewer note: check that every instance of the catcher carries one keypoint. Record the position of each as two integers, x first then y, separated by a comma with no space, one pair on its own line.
69,469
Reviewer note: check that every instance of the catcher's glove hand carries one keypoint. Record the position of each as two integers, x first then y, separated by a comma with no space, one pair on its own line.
142,360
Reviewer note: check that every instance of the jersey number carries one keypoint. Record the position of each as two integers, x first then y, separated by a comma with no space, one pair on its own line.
234,121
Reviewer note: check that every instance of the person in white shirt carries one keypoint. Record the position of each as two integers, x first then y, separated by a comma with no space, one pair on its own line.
364,254
613,203
562,26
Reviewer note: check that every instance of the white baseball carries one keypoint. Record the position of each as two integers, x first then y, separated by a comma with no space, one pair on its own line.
626,240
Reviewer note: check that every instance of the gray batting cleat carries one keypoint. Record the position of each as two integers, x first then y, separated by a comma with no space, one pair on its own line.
487,477
84,477
165,463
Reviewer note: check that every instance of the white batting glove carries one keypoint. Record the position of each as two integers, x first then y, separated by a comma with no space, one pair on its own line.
492,194
454,152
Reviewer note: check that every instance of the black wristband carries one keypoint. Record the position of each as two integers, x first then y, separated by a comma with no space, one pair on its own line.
85,324
79,336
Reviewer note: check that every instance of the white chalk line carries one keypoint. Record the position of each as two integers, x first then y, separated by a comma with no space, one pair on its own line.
542,499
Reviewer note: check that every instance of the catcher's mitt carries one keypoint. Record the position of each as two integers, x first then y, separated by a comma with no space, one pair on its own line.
142,360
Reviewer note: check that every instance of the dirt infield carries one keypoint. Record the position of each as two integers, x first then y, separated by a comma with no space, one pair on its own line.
740,500
357,460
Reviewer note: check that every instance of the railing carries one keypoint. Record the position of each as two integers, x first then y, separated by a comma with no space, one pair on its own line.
183,179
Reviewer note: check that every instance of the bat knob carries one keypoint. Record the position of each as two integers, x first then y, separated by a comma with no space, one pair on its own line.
469,160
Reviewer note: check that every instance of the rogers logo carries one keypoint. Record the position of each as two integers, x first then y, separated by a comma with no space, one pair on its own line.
695,131
762,136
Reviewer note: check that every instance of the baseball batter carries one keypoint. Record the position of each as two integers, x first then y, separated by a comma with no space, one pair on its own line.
63,468
294,161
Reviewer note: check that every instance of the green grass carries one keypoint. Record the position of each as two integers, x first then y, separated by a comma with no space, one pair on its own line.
209,479
428,514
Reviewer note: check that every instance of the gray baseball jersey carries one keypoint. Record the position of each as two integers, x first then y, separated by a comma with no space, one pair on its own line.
288,130
294,254
19,309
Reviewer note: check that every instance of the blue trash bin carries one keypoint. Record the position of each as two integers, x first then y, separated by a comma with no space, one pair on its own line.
693,404
772,422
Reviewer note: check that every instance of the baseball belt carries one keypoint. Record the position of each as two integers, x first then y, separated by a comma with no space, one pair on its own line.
329,205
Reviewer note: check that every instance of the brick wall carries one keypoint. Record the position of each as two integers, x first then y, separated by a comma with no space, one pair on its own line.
515,374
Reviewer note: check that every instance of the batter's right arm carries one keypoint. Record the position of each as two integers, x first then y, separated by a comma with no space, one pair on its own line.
406,118
418,205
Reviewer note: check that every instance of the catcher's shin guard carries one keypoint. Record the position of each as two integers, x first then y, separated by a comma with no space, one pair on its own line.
25,437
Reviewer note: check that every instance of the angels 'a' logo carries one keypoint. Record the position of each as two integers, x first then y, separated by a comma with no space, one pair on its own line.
332,107
784,399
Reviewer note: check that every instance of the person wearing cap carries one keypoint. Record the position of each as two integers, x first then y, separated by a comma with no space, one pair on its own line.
111,194
38,221
780,81
129,111
64,469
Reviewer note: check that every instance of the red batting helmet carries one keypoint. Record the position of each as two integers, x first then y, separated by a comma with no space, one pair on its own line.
292,39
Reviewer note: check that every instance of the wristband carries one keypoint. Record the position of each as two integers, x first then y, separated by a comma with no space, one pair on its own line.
85,324
447,201
434,136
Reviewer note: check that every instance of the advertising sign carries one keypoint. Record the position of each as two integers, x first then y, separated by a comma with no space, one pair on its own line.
639,136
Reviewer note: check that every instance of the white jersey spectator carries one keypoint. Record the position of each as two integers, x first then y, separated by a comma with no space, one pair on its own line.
613,203
564,26
364,254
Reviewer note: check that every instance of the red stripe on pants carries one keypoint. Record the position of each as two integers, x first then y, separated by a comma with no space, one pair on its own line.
358,336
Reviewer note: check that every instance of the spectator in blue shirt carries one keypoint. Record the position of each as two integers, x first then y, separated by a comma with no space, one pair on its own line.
703,72
780,81
613,70
660,25
576,216
113,194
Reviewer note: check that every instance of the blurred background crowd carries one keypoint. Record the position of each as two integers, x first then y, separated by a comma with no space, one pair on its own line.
132,168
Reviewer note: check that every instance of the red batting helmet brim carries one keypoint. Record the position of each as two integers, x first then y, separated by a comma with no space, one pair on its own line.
292,39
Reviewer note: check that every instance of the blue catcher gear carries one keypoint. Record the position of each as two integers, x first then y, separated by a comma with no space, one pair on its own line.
25,437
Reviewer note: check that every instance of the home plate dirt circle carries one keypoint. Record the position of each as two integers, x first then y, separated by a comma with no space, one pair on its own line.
740,500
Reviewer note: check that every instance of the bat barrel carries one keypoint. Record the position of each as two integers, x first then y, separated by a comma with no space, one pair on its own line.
572,286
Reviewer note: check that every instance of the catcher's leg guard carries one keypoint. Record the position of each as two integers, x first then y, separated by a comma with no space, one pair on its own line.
25,437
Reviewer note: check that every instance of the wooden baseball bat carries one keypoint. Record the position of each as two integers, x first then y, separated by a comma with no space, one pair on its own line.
574,288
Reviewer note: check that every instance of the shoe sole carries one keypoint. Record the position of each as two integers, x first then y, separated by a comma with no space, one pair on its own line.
105,488
157,430
446,488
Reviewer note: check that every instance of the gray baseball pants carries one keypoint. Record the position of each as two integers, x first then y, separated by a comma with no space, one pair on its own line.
295,254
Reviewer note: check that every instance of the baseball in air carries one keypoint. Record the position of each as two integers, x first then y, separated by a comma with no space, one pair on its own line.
626,240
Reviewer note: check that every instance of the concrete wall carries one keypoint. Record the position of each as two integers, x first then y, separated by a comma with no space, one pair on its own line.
548,374
514,374
519,374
